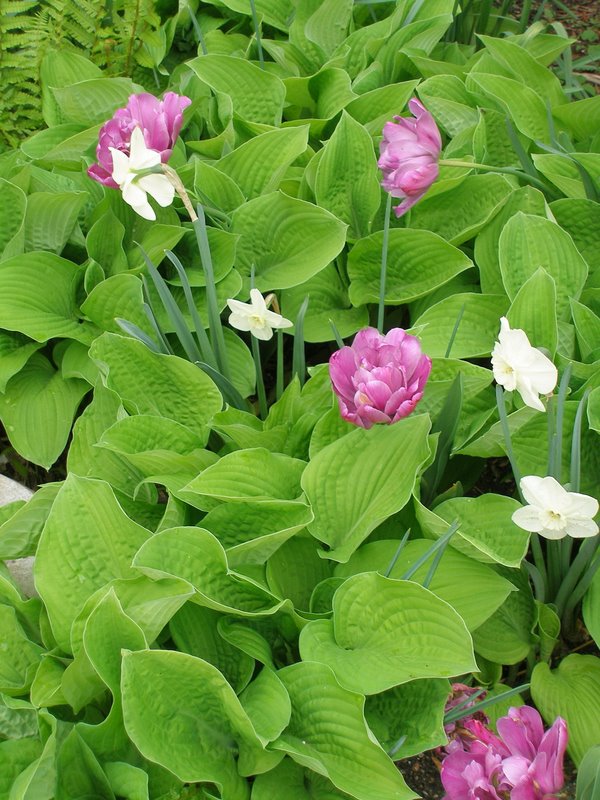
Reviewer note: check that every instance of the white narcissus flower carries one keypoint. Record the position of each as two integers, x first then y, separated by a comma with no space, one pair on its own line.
256,317
553,512
135,186
518,365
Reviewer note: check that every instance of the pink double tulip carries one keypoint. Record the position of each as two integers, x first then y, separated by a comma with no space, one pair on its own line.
522,763
379,378
409,155
159,120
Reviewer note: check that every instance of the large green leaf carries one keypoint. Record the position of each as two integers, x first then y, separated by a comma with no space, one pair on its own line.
120,296
287,240
50,219
331,737
529,242
252,532
15,352
13,203
300,784
194,630
362,644
155,384
358,481
93,100
328,302
346,181
477,331
572,690
37,410
591,608
486,531
581,219
180,712
19,657
473,202
414,712
258,165
253,474
521,103
38,294
194,555
418,262
296,568
473,589
87,541
533,309
257,94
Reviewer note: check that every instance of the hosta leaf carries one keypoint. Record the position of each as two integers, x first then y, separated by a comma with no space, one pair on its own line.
37,410
346,181
572,690
507,636
254,474
194,630
356,482
533,309
38,297
300,784
581,219
477,331
521,103
251,533
373,109
180,712
418,262
258,165
19,657
474,201
13,203
15,351
329,302
151,383
257,95
413,711
295,569
50,219
485,523
93,100
287,240
195,556
344,752
473,589
15,756
528,242
361,643
87,541
267,704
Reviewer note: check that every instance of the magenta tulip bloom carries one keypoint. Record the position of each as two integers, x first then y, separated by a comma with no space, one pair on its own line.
159,120
476,775
379,378
535,766
409,155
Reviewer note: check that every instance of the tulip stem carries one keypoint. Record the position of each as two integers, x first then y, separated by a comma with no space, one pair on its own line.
384,258
451,162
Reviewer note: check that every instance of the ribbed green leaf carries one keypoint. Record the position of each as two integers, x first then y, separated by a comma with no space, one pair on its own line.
13,203
358,481
522,104
287,240
572,690
331,737
533,309
50,219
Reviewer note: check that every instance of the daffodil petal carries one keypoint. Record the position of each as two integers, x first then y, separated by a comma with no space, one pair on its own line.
528,518
159,187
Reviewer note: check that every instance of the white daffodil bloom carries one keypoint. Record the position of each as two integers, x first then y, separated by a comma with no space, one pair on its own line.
135,186
553,512
518,365
256,317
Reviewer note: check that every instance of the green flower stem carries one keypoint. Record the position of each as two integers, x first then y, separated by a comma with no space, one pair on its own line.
260,384
581,588
279,379
576,570
214,317
507,438
538,583
384,258
451,162
460,711
261,57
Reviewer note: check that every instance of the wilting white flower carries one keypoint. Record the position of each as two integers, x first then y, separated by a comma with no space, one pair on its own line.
135,186
518,365
553,512
256,317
